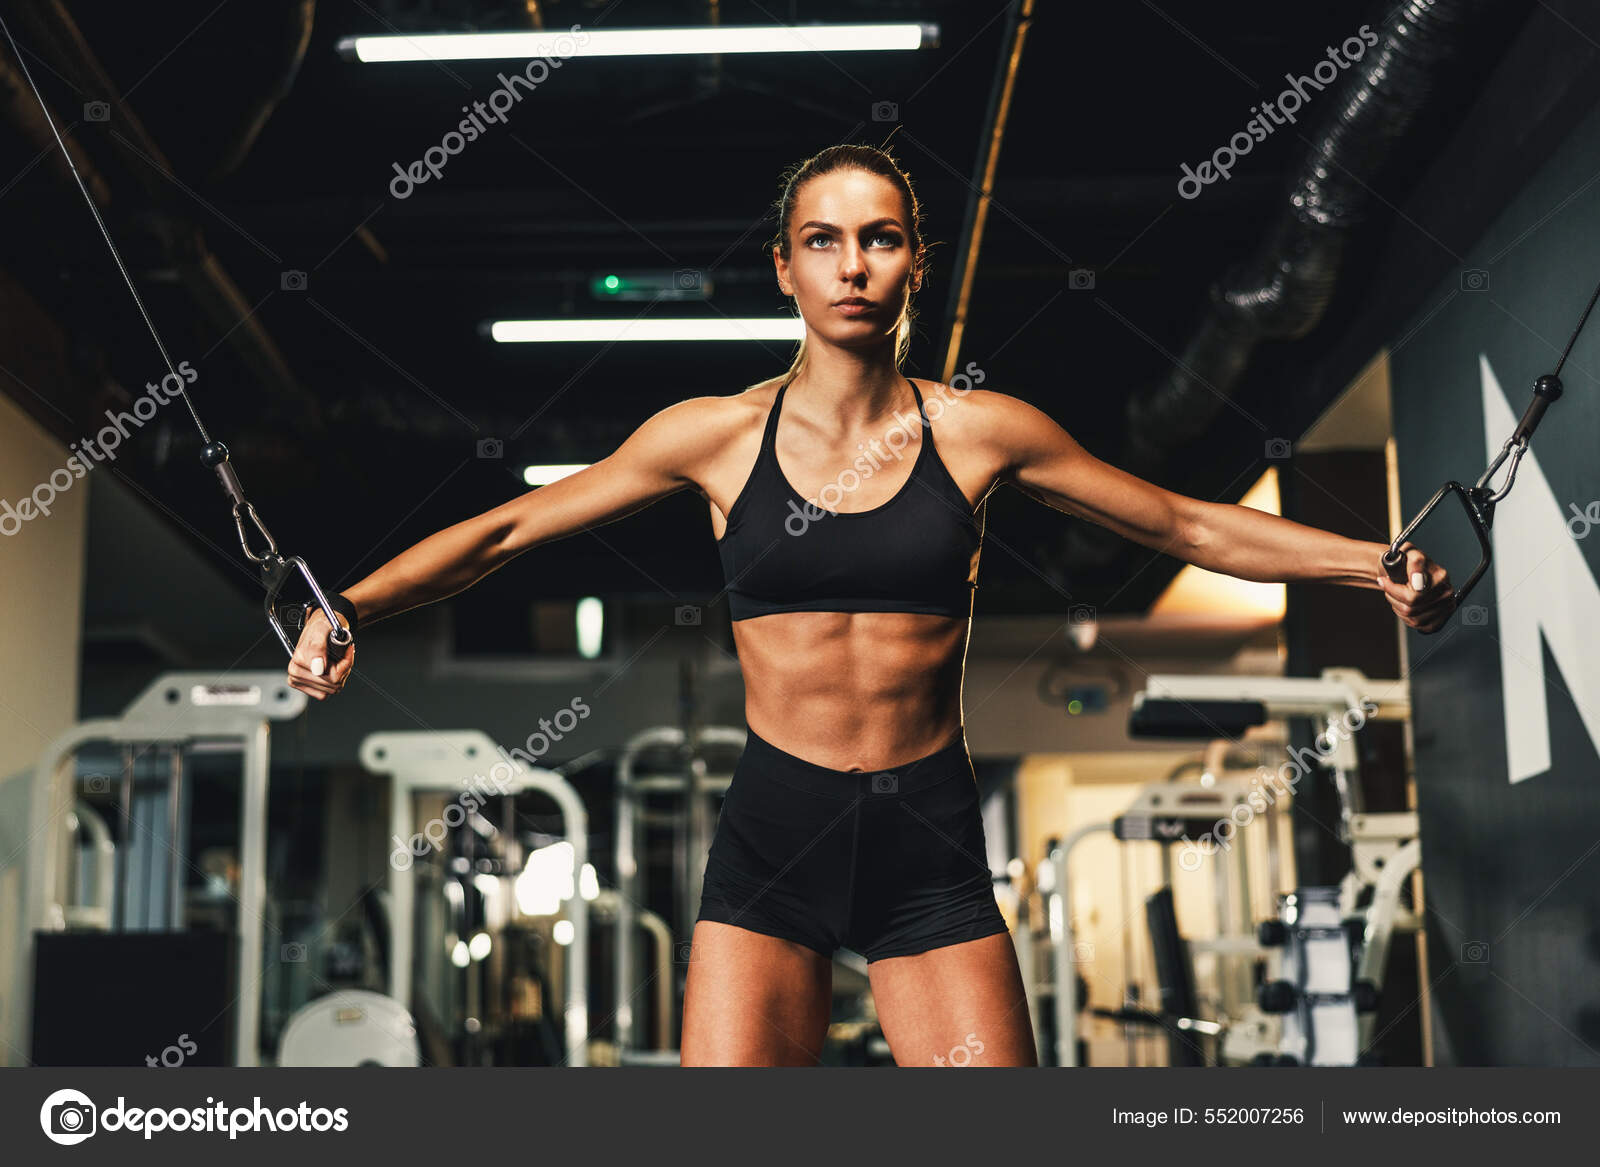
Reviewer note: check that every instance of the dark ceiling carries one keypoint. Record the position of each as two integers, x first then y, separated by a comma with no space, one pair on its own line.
365,437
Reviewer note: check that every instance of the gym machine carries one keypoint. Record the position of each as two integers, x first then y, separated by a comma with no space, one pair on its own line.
1333,942
179,712
607,908
441,762
1166,813
694,785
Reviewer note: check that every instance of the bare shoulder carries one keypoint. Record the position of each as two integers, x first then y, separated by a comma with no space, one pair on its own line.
698,439
979,416
707,421
995,432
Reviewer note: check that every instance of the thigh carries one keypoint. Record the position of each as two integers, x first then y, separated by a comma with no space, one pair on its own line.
959,1005
754,1000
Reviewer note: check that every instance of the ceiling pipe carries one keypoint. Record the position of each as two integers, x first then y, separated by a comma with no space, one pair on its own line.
291,26
23,112
1282,290
1018,22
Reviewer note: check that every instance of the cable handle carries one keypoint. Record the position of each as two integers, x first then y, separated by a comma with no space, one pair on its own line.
1479,505
274,575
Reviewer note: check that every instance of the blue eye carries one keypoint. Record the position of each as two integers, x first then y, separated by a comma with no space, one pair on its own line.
894,240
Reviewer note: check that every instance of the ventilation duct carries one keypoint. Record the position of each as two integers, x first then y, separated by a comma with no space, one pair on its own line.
1282,290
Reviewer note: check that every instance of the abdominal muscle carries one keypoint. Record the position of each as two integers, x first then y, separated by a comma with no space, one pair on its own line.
853,690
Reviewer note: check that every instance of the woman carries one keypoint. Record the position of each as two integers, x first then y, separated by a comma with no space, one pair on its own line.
852,817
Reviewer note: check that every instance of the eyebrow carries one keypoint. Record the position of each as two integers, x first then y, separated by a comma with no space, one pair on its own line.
883,222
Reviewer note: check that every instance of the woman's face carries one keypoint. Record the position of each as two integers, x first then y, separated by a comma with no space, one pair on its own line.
848,240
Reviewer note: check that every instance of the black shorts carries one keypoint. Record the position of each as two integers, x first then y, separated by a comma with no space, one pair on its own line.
886,862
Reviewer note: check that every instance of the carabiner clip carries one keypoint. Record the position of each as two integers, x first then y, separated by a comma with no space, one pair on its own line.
241,509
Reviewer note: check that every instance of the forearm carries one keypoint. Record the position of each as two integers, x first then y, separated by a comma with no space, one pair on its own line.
1254,545
446,562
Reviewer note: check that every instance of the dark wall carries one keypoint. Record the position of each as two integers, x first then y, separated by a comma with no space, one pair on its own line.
1340,627
1507,697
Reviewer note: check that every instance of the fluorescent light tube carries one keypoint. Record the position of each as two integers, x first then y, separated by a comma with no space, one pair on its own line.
618,329
545,475
641,42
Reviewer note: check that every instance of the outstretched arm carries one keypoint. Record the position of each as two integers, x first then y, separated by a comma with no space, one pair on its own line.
661,457
1043,461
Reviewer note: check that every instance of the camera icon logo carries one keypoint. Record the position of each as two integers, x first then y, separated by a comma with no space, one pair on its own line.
1278,449
292,953
1474,952
1083,952
97,783
491,448
1081,614
1081,279
292,281
67,1117
885,111
685,951
688,279
1475,614
885,782
686,616
96,111
1474,279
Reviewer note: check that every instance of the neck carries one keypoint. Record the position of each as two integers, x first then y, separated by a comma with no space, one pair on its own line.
850,389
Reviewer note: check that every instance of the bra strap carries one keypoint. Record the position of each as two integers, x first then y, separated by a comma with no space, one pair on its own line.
917,393
769,435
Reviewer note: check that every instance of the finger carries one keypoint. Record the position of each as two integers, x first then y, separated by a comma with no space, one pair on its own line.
1418,569
341,668
1438,591
1424,617
1395,593
1438,609
303,679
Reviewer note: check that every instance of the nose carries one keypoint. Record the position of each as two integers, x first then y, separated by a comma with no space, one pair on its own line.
852,262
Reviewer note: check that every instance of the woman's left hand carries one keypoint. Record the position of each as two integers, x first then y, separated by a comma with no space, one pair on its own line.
1426,599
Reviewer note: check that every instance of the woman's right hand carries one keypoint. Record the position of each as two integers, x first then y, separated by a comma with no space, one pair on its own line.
309,669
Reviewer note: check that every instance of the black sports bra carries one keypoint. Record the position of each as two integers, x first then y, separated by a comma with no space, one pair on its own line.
918,552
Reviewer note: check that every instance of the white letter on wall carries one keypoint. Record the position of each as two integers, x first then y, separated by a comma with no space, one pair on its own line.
1542,586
